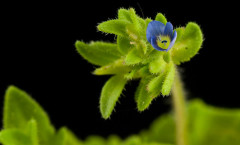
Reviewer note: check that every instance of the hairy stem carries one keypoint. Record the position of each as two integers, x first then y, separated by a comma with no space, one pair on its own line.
178,98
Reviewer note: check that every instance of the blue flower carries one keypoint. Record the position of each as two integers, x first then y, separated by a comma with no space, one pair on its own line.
161,37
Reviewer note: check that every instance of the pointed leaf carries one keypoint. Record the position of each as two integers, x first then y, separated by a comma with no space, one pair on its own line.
66,137
20,108
98,53
117,27
33,132
188,45
142,96
123,14
118,67
168,79
134,19
155,85
161,18
110,94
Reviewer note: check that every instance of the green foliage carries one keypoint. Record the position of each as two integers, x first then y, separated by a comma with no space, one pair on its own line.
19,109
207,125
188,43
110,93
161,18
98,53
134,57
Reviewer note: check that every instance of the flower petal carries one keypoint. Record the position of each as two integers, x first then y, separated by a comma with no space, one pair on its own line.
168,29
173,39
154,44
154,28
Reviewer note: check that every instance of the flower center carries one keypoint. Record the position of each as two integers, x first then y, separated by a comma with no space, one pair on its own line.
163,41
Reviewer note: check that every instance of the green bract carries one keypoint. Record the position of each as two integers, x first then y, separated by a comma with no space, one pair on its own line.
132,57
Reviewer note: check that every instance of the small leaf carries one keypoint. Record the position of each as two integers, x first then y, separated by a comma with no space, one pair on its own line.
167,57
66,137
155,85
110,93
188,45
161,18
168,79
134,19
123,14
95,140
98,53
157,65
14,137
180,32
20,108
123,45
142,96
117,27
33,132
118,67
133,57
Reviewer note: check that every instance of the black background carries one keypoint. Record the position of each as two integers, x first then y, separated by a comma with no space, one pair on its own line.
37,54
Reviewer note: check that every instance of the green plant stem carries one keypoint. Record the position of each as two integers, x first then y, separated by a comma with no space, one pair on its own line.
178,98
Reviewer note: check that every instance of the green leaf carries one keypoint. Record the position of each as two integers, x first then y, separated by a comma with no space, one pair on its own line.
134,19
123,45
142,96
155,85
180,31
98,53
95,140
117,27
157,65
123,14
188,44
161,18
114,140
162,130
118,67
213,126
14,137
133,57
33,132
20,108
66,137
110,94
168,79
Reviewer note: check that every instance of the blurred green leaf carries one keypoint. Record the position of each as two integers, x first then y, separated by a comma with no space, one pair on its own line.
168,79
213,126
65,137
111,91
161,18
117,27
98,53
14,137
187,44
20,108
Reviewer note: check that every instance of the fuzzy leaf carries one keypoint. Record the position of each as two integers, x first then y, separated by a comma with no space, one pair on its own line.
142,96
118,67
157,65
123,14
20,108
168,79
134,19
117,27
133,57
98,53
33,132
111,91
188,44
123,45
155,85
161,18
